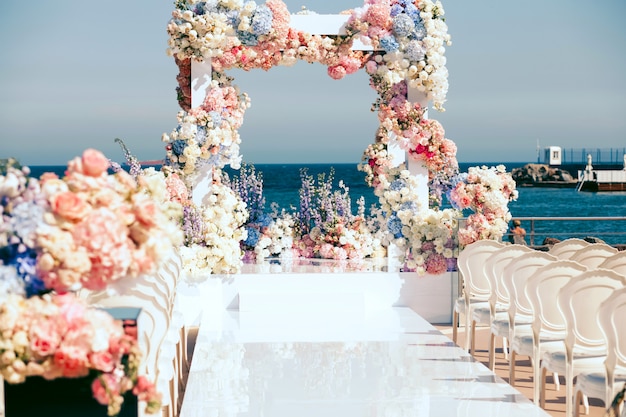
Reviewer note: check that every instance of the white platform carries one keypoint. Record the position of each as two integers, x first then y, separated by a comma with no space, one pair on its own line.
345,364
329,286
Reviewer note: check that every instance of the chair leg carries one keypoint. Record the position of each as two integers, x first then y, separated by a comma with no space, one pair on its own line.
537,382
455,324
586,404
512,369
505,347
492,351
577,400
473,337
557,381
467,330
542,398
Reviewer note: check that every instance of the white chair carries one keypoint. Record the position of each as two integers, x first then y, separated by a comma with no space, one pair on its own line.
594,254
520,313
499,298
548,324
608,381
566,248
476,288
616,262
584,345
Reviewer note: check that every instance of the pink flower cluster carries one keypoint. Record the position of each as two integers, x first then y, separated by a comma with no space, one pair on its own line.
99,228
487,192
59,336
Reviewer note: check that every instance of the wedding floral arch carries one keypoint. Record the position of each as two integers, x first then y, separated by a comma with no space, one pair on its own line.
399,43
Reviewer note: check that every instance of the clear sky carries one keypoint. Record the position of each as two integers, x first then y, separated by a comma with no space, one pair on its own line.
77,74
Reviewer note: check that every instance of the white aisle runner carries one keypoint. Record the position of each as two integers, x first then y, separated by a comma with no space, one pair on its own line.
355,364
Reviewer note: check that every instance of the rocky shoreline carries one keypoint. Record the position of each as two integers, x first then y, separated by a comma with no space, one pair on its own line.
542,175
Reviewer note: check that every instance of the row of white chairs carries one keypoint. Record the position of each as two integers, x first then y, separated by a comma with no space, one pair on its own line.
514,290
161,333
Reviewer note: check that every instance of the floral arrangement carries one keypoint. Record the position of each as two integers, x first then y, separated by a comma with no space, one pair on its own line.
213,232
267,234
424,237
487,192
208,134
325,225
59,336
99,228
413,36
409,39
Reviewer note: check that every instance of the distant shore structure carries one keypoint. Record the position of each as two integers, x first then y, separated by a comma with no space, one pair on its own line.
575,159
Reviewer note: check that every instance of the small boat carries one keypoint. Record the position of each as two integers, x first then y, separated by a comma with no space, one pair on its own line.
595,180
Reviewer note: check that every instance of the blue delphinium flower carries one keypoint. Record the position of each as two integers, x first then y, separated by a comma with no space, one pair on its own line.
389,44
403,25
394,225
232,18
413,12
265,220
262,20
414,51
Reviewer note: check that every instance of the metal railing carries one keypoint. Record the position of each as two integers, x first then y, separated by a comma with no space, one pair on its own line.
612,230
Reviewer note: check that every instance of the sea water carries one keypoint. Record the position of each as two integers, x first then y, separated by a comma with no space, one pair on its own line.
282,182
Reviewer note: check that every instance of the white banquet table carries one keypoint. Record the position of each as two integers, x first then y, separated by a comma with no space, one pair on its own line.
353,364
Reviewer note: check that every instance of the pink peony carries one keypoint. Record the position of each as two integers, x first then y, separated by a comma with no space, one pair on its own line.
436,264
45,336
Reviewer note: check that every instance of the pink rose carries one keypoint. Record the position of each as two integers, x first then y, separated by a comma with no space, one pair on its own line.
104,388
145,212
71,361
94,163
69,205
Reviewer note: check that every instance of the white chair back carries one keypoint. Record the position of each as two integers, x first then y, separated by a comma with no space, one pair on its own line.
516,276
566,248
616,262
541,290
613,325
471,264
579,300
594,254
495,269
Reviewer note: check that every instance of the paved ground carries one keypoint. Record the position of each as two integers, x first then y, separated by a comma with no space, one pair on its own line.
555,400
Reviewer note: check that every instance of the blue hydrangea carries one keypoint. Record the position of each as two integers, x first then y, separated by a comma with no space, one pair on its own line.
178,146
408,205
394,225
10,282
247,38
420,31
414,51
265,220
216,118
396,9
413,12
397,185
403,25
25,265
389,44
232,18
201,135
262,20
253,236
25,218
